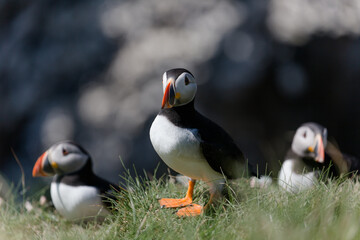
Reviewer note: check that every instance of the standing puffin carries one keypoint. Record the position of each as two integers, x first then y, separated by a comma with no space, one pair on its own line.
76,192
191,144
310,154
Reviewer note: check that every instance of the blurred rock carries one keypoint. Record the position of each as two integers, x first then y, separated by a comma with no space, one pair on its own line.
182,180
42,200
28,206
262,182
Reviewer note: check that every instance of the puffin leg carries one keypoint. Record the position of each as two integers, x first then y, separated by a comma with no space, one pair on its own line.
196,209
174,203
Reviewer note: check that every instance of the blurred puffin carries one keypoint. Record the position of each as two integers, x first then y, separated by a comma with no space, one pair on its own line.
191,144
76,192
310,154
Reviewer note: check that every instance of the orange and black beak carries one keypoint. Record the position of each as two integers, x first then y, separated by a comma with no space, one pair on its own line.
42,167
319,149
169,95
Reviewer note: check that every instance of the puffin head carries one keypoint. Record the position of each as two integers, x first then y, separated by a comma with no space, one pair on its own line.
179,87
61,158
310,140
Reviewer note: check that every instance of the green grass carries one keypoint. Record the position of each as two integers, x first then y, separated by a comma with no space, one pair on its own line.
330,211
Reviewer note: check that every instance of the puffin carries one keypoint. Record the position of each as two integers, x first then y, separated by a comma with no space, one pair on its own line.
76,192
192,144
312,157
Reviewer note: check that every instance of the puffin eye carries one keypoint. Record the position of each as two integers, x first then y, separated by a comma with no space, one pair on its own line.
65,152
187,81
304,134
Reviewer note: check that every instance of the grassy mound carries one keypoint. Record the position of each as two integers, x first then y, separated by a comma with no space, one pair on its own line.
329,211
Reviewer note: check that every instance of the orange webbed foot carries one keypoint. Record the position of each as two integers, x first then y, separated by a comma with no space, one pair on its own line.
191,210
174,203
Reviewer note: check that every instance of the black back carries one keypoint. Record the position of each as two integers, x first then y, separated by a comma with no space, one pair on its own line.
217,146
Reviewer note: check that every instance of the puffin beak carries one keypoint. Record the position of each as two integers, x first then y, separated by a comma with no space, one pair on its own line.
169,96
41,164
319,149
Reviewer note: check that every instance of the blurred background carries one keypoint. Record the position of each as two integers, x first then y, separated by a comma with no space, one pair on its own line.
91,71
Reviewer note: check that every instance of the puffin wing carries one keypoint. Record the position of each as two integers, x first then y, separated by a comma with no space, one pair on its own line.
353,163
220,151
108,192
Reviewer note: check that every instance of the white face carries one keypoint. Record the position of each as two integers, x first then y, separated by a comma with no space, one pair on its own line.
303,139
164,81
67,157
181,91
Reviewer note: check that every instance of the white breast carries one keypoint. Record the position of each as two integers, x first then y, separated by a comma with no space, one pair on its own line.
295,176
179,148
76,202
